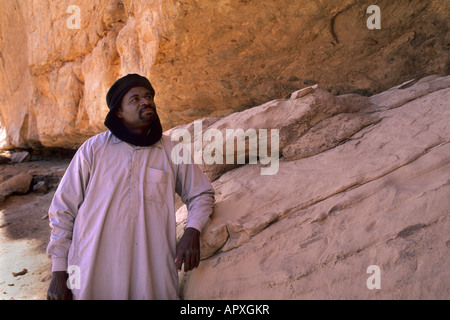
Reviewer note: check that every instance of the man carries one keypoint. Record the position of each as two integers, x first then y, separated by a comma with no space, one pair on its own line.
112,216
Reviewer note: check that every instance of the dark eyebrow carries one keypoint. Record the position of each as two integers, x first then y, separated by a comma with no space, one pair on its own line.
147,94
133,96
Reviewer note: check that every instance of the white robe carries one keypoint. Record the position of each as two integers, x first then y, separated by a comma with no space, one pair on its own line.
113,218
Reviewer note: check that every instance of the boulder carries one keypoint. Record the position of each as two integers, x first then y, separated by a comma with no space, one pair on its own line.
18,157
18,184
372,195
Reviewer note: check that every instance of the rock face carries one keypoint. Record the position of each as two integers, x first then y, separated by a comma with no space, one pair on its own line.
362,182
205,58
17,184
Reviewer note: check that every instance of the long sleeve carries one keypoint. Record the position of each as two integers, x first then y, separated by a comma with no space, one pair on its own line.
197,193
64,208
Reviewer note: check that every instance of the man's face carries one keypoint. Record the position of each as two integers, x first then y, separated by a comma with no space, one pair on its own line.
138,108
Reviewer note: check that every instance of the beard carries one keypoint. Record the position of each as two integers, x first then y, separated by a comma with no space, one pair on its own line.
147,114
115,125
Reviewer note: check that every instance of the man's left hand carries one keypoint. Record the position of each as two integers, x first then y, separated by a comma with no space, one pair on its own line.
188,251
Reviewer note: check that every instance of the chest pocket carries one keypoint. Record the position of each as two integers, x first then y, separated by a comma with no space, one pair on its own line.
155,185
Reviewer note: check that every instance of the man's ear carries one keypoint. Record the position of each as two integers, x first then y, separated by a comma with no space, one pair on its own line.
119,112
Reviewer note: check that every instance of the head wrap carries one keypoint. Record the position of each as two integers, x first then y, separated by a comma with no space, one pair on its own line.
114,100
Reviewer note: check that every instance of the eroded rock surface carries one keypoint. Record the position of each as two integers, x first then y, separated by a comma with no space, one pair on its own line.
367,186
205,58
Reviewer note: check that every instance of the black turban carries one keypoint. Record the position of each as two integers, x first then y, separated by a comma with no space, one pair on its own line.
114,100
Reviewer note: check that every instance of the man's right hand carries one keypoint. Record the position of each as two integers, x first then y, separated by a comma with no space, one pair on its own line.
58,289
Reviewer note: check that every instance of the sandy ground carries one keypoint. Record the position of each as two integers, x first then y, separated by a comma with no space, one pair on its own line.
24,235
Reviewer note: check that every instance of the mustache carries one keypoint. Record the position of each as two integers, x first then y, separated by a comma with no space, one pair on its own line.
147,107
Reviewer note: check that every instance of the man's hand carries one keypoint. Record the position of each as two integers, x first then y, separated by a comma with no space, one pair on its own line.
58,289
188,250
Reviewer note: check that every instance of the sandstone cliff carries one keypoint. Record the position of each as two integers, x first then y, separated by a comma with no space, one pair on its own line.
205,58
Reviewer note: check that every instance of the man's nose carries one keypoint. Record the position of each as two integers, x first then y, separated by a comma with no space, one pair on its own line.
146,100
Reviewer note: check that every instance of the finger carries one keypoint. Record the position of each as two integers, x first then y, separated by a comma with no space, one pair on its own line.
179,260
197,259
50,296
192,259
187,261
